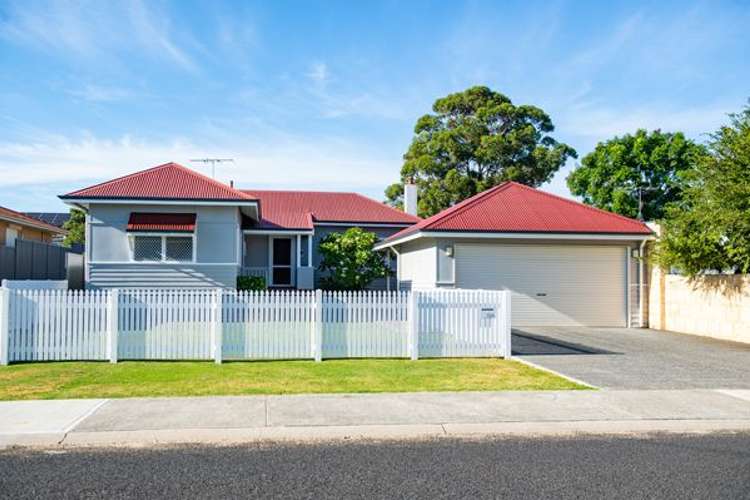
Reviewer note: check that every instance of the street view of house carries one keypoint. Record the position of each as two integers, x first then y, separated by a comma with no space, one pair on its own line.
374,250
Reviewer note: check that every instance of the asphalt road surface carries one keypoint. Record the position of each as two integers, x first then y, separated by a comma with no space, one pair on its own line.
658,466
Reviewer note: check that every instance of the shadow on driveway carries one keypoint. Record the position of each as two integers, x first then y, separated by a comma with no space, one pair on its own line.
635,358
528,344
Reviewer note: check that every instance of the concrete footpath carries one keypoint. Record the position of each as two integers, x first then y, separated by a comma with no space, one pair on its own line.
217,420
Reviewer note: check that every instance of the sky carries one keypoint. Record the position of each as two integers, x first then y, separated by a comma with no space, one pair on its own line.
324,96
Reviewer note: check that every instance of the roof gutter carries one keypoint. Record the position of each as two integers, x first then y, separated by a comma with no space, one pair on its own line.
518,235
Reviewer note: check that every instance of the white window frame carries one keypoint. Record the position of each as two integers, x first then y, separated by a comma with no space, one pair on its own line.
163,236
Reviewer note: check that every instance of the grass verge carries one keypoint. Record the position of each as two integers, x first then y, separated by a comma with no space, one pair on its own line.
62,380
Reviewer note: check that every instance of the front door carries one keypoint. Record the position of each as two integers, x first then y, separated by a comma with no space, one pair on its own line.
281,260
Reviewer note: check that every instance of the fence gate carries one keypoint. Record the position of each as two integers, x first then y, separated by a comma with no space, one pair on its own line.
462,323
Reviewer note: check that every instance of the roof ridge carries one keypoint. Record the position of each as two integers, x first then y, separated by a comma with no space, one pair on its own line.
464,205
121,178
170,164
205,177
578,203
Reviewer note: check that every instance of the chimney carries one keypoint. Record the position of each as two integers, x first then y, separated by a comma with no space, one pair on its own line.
231,184
410,197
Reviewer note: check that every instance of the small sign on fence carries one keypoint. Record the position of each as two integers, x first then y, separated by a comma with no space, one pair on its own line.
487,316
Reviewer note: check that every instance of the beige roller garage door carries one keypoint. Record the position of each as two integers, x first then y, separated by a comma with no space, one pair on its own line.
552,285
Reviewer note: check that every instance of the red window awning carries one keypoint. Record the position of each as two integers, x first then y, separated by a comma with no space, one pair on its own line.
165,223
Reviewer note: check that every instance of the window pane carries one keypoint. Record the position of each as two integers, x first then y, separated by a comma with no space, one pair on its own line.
147,248
179,249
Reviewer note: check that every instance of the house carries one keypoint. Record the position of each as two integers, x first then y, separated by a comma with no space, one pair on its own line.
565,262
57,219
170,226
17,226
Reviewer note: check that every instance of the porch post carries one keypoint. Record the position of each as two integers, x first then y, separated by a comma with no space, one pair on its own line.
297,259
309,250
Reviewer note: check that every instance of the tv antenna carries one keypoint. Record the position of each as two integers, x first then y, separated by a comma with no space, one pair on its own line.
212,162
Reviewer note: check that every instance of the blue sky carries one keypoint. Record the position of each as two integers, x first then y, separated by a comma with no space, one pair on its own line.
325,96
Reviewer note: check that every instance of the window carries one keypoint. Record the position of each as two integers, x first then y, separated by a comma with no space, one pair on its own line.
147,248
178,249
162,248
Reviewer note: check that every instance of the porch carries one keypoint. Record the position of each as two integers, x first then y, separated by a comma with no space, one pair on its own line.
283,258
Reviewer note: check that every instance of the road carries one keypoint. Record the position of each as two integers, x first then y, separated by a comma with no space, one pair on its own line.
655,466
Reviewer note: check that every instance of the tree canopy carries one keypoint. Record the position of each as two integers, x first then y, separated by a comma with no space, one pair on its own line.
474,140
76,227
348,260
709,229
648,164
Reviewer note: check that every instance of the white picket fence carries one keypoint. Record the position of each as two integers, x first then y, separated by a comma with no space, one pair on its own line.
55,325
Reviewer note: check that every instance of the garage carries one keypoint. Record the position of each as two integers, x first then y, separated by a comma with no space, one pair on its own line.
552,285
566,263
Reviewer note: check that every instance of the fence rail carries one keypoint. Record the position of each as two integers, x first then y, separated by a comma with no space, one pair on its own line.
47,325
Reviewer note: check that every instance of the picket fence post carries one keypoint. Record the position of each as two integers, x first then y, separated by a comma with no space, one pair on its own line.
113,305
413,319
507,331
317,344
216,328
4,325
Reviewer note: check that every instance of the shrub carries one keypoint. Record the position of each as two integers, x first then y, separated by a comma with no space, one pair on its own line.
349,261
251,283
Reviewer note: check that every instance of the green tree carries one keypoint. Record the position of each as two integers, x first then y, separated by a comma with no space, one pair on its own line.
635,175
474,140
709,229
76,227
348,260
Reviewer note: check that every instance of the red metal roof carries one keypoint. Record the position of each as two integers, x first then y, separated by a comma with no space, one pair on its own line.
25,220
299,209
515,208
181,223
170,181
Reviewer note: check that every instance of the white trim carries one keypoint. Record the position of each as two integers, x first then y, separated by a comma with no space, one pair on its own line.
627,287
365,224
515,236
309,251
159,263
146,201
163,236
276,232
291,261
298,252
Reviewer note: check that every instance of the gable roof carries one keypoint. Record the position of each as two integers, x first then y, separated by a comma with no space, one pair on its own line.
24,220
169,181
511,207
286,210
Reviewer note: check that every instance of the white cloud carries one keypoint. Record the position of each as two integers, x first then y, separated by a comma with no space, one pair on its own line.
98,93
99,31
280,161
606,121
318,73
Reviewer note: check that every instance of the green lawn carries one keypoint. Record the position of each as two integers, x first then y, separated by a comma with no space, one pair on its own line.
58,380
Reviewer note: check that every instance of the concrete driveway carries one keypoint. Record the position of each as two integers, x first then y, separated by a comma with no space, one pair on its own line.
621,358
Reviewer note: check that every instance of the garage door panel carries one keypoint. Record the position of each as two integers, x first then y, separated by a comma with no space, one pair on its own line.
551,284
